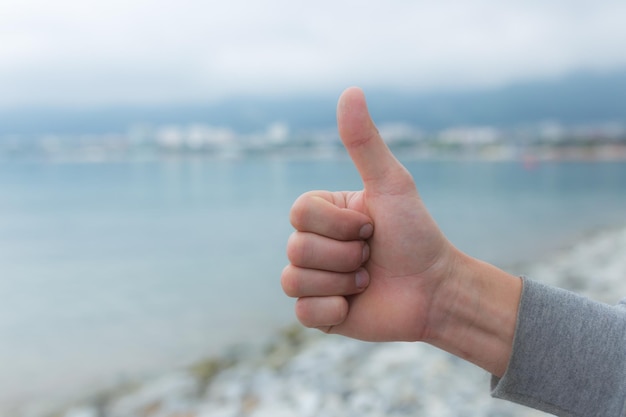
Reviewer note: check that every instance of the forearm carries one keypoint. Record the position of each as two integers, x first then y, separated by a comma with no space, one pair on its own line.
564,354
474,314
568,356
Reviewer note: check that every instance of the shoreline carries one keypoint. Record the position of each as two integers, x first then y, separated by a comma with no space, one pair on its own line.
304,372
528,155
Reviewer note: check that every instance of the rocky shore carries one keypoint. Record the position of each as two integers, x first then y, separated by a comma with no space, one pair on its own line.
305,373
308,374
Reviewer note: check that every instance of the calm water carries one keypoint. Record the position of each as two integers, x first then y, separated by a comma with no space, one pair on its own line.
110,270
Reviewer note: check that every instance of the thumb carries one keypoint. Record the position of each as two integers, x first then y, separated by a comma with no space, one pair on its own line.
380,171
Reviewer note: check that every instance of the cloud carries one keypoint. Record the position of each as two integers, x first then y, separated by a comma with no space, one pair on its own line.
77,53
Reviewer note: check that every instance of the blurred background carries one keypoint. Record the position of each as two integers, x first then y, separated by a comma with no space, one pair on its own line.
150,152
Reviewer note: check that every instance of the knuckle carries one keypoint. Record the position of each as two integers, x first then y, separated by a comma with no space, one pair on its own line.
299,211
295,248
303,313
289,282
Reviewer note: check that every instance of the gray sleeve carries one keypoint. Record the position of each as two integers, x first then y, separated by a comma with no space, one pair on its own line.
569,355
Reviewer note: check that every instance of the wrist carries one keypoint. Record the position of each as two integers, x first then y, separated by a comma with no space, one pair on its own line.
474,313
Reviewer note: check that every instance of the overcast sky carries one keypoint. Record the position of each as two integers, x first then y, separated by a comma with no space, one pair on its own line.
83,53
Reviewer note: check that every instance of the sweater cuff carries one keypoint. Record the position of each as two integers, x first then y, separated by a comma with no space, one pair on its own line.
568,357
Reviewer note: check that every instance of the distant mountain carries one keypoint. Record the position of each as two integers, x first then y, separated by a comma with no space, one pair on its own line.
575,99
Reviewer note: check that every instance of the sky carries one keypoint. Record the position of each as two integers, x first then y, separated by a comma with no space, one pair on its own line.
82,53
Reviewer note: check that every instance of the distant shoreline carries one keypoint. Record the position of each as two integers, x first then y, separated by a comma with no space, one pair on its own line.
529,156
542,142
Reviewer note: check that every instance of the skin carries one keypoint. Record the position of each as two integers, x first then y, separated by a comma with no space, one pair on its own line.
373,265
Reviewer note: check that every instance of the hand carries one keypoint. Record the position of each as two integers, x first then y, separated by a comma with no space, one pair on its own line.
373,265
382,236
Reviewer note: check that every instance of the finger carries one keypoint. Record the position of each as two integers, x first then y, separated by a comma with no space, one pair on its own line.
379,169
324,213
308,250
321,312
302,282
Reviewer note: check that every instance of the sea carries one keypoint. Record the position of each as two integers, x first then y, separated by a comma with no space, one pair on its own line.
110,271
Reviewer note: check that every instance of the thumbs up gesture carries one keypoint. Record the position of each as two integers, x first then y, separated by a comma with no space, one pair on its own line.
366,264
373,265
